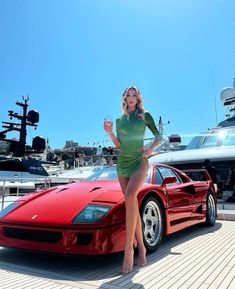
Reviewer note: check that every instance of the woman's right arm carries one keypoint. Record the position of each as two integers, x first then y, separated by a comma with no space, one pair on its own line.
114,140
108,127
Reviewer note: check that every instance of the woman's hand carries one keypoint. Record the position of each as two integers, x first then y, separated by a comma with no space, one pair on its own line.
108,126
147,152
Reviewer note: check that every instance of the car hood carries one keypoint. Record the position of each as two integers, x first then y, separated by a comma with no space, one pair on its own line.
61,204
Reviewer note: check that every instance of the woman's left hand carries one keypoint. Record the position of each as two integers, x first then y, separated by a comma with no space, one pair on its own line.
147,152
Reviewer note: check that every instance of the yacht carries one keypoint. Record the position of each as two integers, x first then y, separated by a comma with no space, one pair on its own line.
216,144
22,168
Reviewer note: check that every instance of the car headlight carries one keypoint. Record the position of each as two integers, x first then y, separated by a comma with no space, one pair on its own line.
9,208
91,214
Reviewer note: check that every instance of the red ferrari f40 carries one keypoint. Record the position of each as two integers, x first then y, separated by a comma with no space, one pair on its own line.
88,217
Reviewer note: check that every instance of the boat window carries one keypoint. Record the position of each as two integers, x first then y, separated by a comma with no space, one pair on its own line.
12,166
167,172
229,138
194,143
210,141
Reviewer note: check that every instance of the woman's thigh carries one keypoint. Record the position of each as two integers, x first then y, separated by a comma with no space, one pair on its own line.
137,179
123,183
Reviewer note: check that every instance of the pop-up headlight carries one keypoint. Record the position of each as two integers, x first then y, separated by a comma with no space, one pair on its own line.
91,214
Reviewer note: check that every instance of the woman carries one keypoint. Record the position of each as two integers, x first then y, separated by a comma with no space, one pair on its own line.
132,166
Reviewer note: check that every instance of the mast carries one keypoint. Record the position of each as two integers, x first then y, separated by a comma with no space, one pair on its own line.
26,119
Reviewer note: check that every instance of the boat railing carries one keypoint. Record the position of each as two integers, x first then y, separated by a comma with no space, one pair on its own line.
15,187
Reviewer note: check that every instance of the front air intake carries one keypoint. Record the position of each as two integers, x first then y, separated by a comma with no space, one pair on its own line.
32,235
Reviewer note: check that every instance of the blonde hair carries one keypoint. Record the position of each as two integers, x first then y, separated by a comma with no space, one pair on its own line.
139,106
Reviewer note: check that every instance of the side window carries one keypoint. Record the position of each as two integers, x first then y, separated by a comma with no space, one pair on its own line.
167,172
210,141
229,138
158,178
147,180
194,143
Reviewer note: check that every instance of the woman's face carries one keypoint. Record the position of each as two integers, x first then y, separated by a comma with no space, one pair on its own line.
131,98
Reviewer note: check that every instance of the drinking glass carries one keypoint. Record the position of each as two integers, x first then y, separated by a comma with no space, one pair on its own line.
109,121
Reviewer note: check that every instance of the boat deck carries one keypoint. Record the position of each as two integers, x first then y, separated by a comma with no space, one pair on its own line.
198,257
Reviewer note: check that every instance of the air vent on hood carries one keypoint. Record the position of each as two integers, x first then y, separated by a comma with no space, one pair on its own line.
95,188
62,190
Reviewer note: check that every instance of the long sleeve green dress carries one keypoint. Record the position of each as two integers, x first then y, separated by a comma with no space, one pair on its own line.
130,134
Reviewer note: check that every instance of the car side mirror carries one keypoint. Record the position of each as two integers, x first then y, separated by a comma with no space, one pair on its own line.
169,180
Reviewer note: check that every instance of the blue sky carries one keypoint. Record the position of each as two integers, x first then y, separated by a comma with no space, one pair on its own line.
74,58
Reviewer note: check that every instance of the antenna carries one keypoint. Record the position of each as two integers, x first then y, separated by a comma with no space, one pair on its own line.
216,112
160,126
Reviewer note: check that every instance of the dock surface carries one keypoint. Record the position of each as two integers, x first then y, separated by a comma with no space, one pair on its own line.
197,257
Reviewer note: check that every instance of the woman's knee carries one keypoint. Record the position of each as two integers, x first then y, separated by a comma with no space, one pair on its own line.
130,199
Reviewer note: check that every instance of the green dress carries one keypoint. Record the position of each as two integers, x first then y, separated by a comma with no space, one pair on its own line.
130,134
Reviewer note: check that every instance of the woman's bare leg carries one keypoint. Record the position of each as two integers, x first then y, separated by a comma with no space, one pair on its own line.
123,183
141,248
132,214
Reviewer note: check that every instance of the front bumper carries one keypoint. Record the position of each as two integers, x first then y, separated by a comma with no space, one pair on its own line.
63,240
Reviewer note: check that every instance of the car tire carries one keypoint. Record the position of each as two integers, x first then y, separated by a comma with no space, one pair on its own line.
151,215
211,209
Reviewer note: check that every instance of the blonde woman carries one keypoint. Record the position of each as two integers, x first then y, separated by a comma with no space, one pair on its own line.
132,166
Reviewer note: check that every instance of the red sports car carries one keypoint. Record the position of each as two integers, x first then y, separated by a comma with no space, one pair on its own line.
89,217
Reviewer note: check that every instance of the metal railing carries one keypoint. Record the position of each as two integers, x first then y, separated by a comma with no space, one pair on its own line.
23,185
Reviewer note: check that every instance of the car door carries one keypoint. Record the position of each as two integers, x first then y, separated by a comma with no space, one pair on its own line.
180,197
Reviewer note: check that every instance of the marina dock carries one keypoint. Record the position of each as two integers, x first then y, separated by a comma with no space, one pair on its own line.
197,257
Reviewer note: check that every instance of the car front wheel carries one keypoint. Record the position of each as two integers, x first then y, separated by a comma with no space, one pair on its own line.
211,209
152,223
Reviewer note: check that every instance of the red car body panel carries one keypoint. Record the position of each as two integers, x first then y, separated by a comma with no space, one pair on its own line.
45,219
104,240
66,202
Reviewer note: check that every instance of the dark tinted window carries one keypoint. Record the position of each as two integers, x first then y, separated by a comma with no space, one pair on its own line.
12,166
197,176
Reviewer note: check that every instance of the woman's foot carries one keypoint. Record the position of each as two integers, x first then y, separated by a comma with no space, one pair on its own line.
141,261
127,265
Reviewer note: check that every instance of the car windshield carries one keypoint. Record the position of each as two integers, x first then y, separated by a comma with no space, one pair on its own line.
106,173
110,173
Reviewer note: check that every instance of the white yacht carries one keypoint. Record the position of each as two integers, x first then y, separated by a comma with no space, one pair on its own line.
216,144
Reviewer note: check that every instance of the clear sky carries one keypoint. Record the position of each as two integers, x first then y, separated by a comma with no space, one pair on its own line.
74,58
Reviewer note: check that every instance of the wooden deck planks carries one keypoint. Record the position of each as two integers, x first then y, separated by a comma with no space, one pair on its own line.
198,258
171,265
